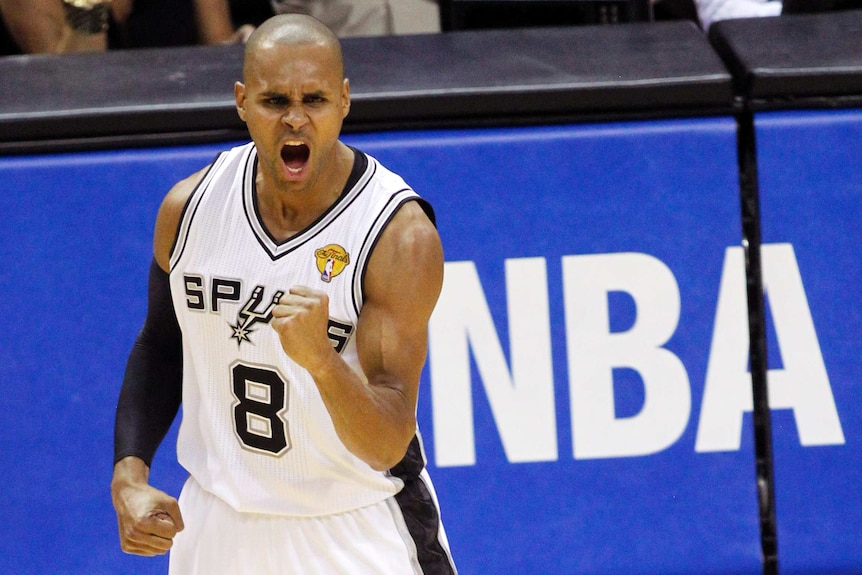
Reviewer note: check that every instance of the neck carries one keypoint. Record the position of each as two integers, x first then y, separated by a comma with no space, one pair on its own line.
287,211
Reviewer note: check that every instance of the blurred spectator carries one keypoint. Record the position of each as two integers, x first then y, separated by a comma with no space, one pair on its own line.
151,23
675,10
53,26
159,23
710,11
344,17
61,26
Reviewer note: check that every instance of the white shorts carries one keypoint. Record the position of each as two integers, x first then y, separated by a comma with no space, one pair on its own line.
218,540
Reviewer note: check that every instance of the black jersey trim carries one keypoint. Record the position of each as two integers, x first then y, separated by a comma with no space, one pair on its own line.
376,230
419,508
360,176
371,238
190,209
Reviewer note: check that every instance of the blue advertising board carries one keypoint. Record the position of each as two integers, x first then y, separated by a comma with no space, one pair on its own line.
585,407
578,327
811,205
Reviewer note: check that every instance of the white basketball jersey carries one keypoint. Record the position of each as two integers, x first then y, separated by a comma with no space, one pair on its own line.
255,431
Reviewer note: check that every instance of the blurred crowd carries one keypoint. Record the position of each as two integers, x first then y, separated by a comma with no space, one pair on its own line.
60,26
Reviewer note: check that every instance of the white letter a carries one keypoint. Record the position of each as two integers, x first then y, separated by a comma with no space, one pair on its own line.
802,385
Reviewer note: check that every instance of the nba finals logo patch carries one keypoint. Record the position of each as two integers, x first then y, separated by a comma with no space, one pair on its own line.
331,261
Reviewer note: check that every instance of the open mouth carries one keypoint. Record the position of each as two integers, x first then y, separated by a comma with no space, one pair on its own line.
295,155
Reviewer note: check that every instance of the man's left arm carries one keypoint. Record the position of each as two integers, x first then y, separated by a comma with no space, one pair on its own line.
376,420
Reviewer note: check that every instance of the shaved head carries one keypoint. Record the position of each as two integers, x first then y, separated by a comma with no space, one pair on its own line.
293,99
291,30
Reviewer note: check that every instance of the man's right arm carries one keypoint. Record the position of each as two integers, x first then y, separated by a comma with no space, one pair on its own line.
149,399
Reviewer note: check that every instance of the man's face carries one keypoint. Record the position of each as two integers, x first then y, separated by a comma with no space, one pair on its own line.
294,101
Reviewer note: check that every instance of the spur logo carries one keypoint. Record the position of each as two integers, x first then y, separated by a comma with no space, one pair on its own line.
211,296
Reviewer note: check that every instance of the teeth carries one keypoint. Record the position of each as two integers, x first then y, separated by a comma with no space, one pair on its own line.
293,143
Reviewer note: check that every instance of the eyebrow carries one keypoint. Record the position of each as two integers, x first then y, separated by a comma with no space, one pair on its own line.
271,93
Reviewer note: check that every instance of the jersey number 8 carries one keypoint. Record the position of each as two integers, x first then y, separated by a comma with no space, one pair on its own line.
261,399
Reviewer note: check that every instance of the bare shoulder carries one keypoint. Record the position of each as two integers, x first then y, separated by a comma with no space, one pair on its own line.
411,224
170,212
411,239
407,264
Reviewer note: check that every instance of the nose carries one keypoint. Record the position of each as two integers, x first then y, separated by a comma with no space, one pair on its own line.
294,116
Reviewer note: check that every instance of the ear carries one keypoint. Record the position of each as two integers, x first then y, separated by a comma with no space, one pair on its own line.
239,95
345,98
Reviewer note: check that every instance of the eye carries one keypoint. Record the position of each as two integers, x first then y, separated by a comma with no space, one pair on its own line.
274,100
313,99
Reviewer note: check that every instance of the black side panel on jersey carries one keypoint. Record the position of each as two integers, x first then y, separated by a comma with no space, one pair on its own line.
420,512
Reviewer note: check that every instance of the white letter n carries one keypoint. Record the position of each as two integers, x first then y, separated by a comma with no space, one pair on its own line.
522,401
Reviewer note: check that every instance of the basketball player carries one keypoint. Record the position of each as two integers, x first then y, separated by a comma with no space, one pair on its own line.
299,394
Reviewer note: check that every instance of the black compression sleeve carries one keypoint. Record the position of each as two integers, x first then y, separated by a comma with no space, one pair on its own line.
152,386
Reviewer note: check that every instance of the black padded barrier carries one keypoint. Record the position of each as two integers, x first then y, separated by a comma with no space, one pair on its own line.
795,61
182,95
